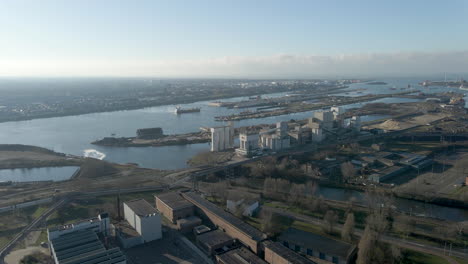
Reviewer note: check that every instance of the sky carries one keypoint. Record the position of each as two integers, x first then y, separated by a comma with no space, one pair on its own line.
238,38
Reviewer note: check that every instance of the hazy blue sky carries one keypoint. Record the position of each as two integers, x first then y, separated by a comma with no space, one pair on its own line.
232,38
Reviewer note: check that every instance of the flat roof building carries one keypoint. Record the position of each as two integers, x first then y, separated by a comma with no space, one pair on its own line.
144,218
83,247
318,246
239,255
222,138
214,241
233,226
173,206
99,224
276,253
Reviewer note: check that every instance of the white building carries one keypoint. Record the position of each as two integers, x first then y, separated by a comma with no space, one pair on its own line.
317,132
144,218
338,115
337,110
222,138
355,123
248,144
248,208
326,118
276,139
99,224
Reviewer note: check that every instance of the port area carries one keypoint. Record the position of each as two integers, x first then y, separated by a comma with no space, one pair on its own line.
303,105
164,140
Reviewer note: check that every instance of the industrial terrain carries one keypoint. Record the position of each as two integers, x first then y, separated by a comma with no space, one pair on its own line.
332,188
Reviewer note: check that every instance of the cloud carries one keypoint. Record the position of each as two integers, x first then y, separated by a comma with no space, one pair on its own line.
275,66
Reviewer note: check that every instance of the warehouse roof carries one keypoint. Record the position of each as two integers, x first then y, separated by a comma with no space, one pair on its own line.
286,253
174,200
227,217
84,247
214,238
240,256
141,207
313,241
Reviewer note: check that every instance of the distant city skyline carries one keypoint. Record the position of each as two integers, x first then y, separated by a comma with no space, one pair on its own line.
232,39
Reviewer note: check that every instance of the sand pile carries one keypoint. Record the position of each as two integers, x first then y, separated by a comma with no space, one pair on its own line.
390,125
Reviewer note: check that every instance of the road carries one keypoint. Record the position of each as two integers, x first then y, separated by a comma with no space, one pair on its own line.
385,238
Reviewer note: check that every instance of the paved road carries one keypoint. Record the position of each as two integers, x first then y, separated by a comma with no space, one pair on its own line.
386,238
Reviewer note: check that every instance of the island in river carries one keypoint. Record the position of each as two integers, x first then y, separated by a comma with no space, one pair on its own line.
376,83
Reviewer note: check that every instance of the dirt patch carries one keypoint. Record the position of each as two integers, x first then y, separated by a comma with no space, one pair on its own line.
15,256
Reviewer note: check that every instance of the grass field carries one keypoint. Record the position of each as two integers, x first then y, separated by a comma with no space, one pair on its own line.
13,222
416,257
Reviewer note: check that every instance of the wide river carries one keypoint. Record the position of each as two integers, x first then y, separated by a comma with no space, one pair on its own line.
73,134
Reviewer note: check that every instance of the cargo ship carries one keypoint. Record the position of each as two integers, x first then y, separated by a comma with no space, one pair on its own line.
180,110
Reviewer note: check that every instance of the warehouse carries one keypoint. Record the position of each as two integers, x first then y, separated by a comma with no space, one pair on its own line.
83,246
233,226
214,241
239,255
276,253
318,246
173,206
144,218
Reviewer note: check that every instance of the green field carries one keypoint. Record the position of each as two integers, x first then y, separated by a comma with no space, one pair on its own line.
416,257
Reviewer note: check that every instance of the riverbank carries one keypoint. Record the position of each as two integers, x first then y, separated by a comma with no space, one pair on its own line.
166,140
305,107
141,103
14,156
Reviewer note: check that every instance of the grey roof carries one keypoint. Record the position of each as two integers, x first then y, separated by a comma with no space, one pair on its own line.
240,256
214,238
240,225
286,253
174,200
141,207
317,242
84,247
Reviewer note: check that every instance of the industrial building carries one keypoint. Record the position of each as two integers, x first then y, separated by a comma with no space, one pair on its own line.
316,246
83,246
187,224
239,255
247,207
232,226
150,133
325,118
173,206
300,135
317,134
222,138
276,253
276,139
144,218
386,165
214,242
248,144
99,224
355,123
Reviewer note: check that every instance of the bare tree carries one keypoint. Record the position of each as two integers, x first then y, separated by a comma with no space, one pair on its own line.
347,171
404,225
365,246
348,228
396,254
272,223
330,219
296,193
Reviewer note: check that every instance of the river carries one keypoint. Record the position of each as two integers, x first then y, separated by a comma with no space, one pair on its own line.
73,134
